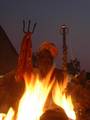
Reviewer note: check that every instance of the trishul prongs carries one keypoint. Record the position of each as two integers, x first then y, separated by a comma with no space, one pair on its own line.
28,28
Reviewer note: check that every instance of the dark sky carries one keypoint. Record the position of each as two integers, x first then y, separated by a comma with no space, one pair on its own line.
50,14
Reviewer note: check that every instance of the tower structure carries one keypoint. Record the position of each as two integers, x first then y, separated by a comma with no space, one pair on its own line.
64,31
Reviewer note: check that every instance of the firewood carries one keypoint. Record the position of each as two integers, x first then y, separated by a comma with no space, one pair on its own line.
54,114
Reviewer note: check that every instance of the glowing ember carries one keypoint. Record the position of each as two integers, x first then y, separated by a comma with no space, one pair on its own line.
63,101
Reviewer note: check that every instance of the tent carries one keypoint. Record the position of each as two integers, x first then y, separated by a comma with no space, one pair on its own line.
8,54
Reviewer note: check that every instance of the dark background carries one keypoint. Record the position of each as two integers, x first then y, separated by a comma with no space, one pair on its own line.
50,14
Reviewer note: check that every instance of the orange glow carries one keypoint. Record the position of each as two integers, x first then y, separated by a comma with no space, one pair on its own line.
63,101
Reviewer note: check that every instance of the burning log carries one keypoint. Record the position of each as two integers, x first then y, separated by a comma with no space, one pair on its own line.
54,114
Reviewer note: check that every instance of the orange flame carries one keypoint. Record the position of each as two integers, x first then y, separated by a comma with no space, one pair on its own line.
32,103
9,116
62,100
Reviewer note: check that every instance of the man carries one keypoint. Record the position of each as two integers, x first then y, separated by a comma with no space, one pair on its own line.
45,64
46,55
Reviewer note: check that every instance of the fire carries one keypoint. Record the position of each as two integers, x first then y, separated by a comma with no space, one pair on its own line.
9,116
32,103
62,100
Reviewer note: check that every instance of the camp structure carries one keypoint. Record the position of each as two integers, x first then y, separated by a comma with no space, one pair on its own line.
8,63
8,54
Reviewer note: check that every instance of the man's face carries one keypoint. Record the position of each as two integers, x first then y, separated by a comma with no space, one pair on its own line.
45,59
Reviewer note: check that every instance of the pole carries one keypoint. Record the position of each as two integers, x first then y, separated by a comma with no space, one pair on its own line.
64,30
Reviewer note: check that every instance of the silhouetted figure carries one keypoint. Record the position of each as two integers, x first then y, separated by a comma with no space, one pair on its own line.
46,61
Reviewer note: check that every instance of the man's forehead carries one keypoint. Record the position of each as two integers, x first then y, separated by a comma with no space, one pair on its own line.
45,53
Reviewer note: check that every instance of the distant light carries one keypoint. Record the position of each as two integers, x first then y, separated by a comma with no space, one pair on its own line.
64,26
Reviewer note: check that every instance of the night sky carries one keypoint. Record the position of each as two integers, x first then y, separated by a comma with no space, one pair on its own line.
50,15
